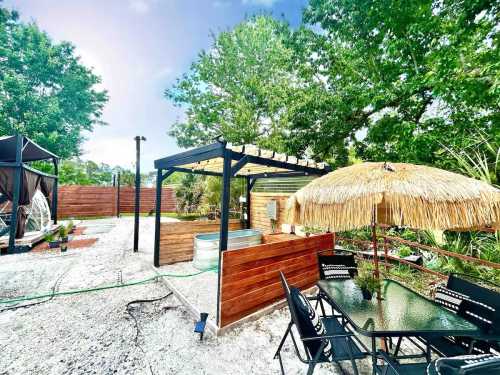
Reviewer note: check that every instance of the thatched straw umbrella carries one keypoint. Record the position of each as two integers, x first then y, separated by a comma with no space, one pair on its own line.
416,196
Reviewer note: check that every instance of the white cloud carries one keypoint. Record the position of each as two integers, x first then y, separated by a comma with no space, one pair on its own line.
266,3
116,151
139,6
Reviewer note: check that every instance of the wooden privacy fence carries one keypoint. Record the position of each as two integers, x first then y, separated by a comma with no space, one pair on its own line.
250,276
177,239
148,199
91,201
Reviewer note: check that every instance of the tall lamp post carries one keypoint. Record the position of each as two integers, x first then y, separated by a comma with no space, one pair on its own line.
138,140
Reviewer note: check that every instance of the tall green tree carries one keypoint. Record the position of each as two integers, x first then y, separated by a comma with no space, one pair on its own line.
238,87
46,93
410,76
392,80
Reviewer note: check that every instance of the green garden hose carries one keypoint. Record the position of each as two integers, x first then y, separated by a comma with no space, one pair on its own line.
104,287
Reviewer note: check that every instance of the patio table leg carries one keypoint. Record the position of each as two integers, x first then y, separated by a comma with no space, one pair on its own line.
374,356
398,344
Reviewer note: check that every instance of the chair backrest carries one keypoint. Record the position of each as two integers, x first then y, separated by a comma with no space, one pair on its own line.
469,365
336,266
480,306
303,320
291,305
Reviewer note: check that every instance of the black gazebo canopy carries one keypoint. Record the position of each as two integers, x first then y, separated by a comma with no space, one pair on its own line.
19,182
227,161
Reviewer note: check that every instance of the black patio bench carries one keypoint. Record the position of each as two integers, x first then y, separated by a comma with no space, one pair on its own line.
477,304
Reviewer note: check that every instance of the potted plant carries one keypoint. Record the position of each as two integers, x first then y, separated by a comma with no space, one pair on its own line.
70,227
366,281
53,241
63,234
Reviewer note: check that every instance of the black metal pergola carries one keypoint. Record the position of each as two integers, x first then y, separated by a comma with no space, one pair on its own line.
15,152
226,161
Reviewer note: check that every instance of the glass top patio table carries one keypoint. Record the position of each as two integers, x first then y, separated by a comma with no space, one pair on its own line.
401,312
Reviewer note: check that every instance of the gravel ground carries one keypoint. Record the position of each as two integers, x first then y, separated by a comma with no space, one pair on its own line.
92,333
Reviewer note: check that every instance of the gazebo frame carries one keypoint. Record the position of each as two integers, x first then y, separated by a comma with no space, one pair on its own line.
233,162
28,151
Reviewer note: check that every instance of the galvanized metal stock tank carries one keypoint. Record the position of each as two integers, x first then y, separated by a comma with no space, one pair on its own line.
206,245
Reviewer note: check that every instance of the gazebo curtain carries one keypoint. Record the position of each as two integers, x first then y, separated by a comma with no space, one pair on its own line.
30,183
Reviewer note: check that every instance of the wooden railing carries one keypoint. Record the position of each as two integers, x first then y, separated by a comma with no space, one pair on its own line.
368,245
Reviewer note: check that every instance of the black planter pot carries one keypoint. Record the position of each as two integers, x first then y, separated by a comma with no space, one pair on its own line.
64,247
54,244
65,239
366,294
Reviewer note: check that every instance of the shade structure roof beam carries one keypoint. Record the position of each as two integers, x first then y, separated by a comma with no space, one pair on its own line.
191,156
247,160
30,151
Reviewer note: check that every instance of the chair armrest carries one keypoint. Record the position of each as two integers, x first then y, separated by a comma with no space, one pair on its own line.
313,298
326,337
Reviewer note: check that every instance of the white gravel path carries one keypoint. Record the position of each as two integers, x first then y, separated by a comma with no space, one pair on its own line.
93,334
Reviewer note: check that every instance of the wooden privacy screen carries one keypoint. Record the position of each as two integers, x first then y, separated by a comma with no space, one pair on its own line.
258,210
250,277
75,200
176,239
79,201
148,199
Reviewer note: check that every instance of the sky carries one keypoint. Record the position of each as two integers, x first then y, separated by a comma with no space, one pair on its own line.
139,48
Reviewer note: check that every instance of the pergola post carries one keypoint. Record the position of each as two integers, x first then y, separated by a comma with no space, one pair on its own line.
159,183
17,189
55,190
224,220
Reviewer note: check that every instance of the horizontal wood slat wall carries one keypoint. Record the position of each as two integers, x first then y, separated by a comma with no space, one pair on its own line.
148,198
250,276
75,200
176,239
90,201
258,210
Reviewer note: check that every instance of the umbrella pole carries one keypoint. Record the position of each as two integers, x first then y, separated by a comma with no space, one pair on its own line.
375,244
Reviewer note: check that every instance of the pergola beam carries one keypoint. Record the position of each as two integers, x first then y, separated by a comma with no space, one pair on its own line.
192,156
196,171
240,164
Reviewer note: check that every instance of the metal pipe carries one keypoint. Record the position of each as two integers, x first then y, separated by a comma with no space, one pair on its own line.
17,191
138,140
248,199
118,187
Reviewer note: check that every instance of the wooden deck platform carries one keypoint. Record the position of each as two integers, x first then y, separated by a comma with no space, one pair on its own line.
28,240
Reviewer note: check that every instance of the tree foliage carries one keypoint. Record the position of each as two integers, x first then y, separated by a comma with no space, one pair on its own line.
45,91
394,82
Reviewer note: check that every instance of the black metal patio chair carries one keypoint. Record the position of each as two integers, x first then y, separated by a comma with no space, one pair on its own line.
465,365
336,266
462,365
324,339
482,364
478,305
